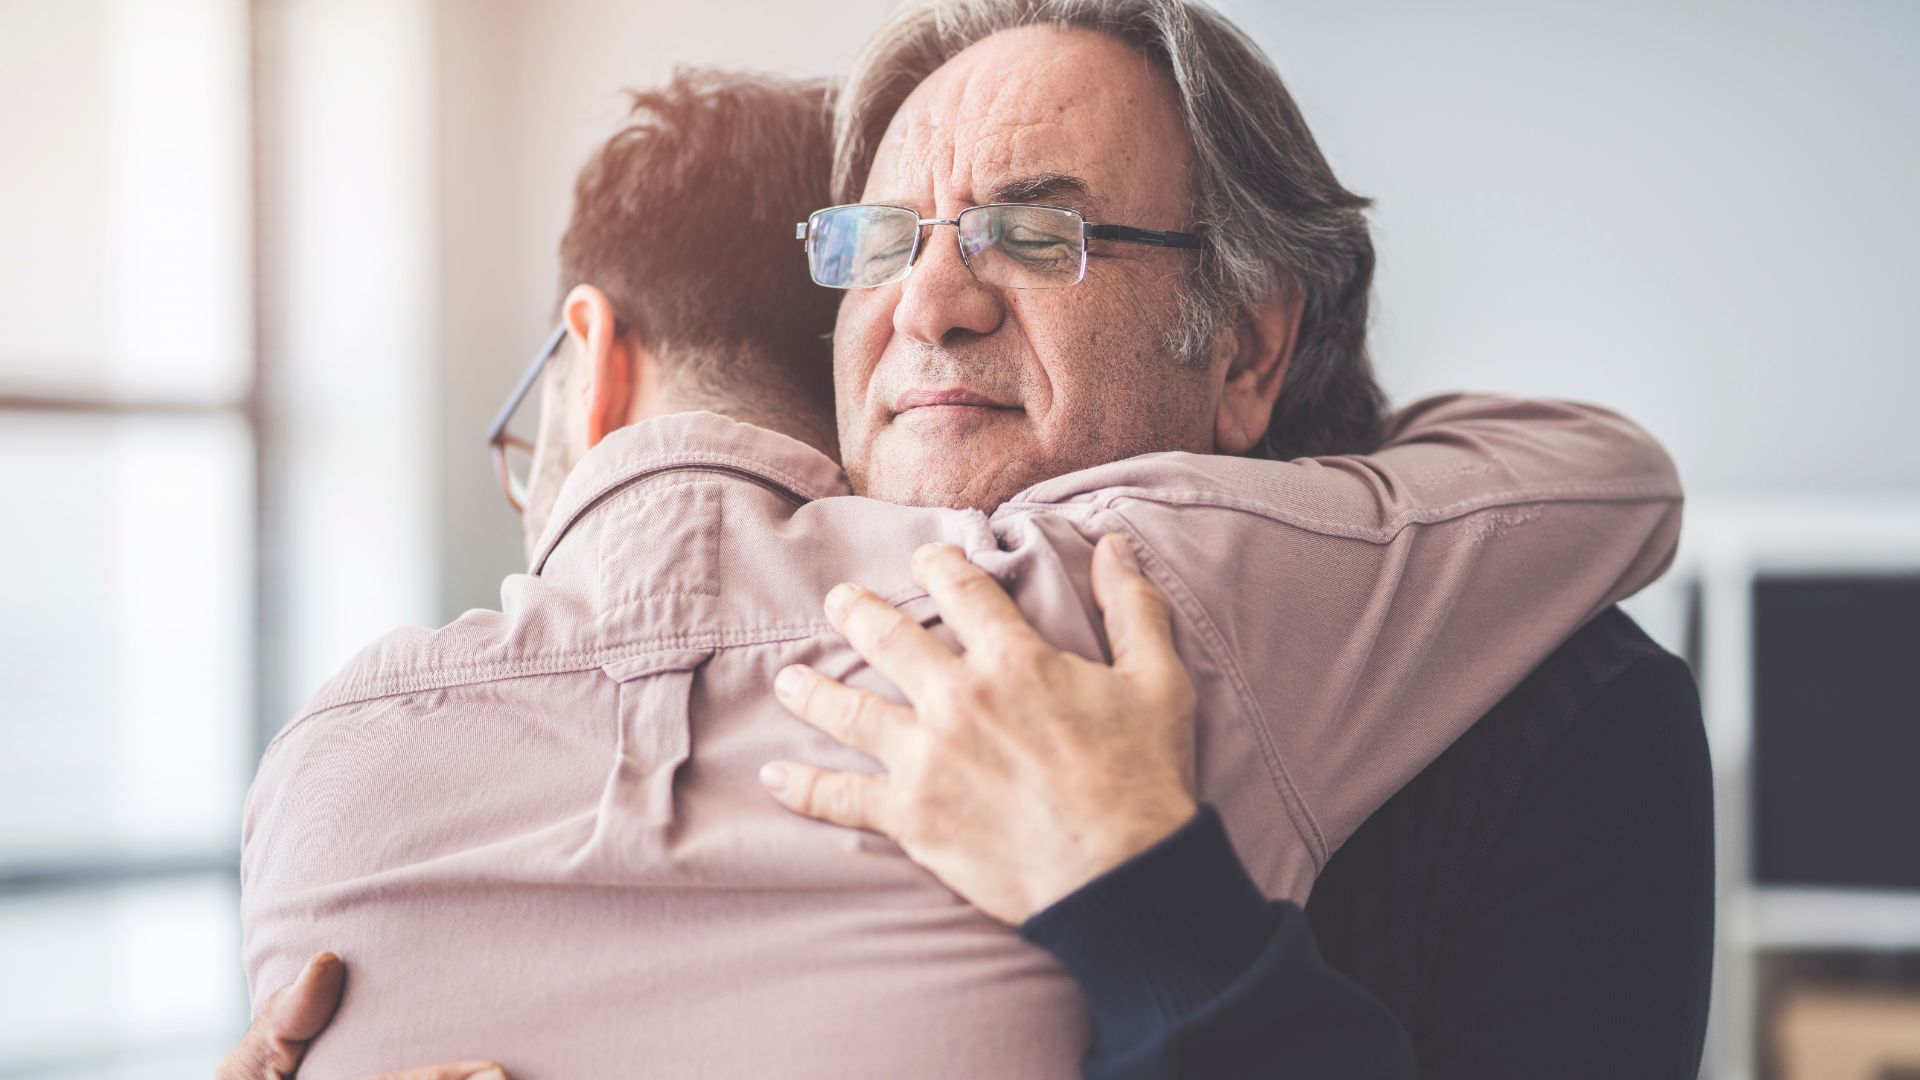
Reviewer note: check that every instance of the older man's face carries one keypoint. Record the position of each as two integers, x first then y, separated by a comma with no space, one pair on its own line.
1066,378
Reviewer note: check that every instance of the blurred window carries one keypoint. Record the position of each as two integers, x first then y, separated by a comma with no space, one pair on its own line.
128,443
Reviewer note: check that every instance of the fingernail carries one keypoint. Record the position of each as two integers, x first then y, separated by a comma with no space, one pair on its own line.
774,777
926,550
788,682
839,597
488,1074
1125,552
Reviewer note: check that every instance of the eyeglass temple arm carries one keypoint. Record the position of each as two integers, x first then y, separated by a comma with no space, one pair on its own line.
525,385
1127,234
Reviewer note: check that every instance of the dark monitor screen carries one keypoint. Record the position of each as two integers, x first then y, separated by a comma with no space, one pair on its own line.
1837,731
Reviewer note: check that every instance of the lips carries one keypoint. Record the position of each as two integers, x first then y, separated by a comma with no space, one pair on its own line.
921,397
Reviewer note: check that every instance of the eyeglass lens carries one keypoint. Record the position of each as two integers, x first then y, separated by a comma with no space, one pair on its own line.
860,247
1008,245
513,464
1023,247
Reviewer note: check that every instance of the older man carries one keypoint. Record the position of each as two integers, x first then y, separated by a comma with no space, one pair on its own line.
1522,913
575,765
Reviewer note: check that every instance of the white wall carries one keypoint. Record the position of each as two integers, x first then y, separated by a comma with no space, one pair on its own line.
347,290
1703,215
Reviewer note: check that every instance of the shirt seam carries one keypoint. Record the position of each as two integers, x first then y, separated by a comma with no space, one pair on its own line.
1648,491
448,677
1251,715
647,468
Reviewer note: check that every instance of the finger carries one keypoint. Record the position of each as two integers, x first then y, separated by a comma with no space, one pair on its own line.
970,600
452,1070
259,1056
840,798
298,1012
1139,619
291,1016
898,647
866,721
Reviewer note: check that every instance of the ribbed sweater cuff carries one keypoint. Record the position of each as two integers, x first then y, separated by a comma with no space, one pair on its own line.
1160,935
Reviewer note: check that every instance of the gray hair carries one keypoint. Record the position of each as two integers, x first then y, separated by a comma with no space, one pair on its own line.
1275,217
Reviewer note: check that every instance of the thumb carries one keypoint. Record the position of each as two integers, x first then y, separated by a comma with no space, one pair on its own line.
296,1013
291,1016
1139,619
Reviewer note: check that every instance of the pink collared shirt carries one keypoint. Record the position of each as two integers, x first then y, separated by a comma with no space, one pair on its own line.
536,835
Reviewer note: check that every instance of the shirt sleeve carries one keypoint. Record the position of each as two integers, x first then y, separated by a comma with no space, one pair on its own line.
1189,971
1359,613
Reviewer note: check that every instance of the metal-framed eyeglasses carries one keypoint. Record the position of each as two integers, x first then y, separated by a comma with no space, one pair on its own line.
1011,245
503,444
866,245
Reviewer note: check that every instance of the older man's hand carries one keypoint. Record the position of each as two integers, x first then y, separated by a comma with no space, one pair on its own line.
1020,772
294,1015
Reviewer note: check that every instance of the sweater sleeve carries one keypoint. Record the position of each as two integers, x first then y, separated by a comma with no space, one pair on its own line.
1190,972
1583,946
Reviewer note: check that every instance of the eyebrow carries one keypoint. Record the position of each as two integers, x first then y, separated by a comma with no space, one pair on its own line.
1042,187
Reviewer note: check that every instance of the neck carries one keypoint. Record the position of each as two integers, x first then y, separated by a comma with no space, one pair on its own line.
788,412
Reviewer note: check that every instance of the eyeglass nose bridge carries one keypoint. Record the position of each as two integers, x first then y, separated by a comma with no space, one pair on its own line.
919,244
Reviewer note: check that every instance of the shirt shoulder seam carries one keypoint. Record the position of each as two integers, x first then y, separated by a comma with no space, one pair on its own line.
1650,491
1183,597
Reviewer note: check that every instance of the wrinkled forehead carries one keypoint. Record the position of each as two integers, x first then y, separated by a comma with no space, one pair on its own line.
1038,102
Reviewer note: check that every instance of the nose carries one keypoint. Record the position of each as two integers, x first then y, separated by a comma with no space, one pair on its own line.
941,298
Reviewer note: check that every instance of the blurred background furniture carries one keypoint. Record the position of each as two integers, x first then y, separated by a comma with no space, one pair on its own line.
1802,620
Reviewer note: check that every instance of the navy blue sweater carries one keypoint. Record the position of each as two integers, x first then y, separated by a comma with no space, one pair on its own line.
1538,902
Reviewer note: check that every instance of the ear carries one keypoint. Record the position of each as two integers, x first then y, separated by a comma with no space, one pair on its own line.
1263,338
608,361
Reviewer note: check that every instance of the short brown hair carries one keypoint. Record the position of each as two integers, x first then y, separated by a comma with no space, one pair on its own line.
684,219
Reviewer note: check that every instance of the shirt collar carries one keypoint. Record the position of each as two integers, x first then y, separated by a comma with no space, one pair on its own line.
687,440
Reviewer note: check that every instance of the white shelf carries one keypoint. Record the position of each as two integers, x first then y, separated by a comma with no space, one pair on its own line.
1779,917
1725,546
